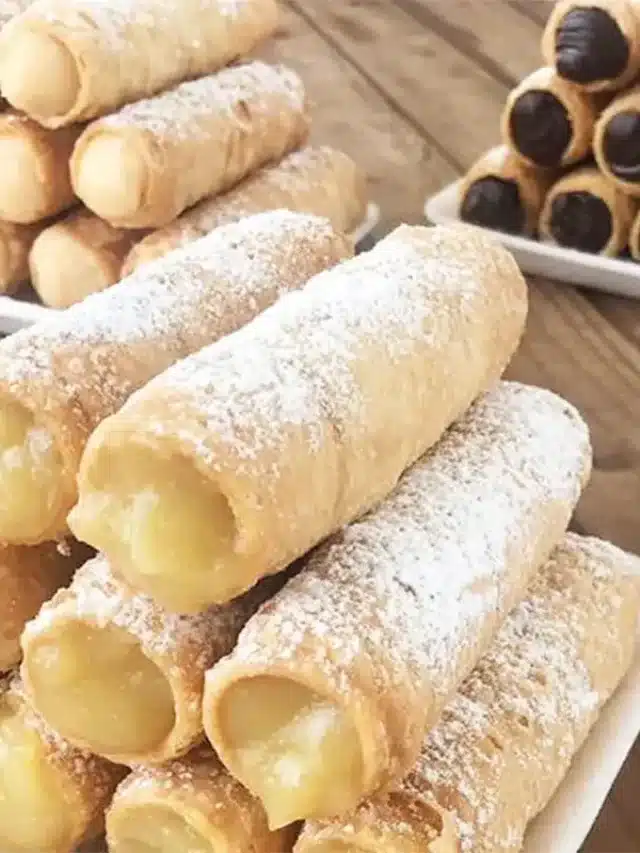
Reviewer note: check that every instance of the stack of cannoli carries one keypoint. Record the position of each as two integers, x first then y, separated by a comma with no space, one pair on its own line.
568,169
331,601
134,127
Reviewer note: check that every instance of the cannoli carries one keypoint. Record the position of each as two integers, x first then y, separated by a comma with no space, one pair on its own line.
35,182
15,244
146,164
192,805
321,181
594,44
330,689
634,238
118,675
547,122
28,578
59,379
10,8
52,796
65,61
506,740
587,212
503,193
309,393
79,255
616,144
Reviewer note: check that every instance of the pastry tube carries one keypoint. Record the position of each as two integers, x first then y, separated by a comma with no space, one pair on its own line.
353,661
15,244
118,675
10,8
503,193
321,181
548,122
506,740
52,796
38,182
28,578
190,804
634,238
616,143
146,164
59,379
587,212
79,255
309,393
65,61
594,44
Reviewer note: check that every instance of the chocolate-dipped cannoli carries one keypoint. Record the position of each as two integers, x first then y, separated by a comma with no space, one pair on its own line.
548,122
594,44
503,193
616,142
587,212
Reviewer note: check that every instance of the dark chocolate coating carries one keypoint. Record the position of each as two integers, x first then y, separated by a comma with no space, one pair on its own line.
494,203
590,46
540,127
621,145
581,220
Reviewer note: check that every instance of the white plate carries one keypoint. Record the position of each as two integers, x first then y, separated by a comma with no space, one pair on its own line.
24,309
567,265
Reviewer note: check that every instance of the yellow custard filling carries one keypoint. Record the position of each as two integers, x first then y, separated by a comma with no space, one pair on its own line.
156,829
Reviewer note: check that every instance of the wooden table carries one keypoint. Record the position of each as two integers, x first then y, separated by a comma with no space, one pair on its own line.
414,89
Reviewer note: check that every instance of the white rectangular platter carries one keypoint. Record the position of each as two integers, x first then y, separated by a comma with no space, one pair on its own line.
17,312
566,265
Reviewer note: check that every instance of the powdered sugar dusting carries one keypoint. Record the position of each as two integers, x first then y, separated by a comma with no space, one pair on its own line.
10,8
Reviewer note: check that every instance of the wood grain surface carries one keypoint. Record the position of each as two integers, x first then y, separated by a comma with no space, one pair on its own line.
413,89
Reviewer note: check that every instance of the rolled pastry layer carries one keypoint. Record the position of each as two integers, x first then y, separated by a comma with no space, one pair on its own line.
503,193
52,796
585,211
65,61
190,805
320,181
59,379
28,578
117,675
616,143
506,740
10,8
342,386
15,244
146,164
330,689
548,122
79,255
594,44
37,183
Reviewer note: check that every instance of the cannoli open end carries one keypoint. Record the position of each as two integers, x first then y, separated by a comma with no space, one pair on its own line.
23,194
151,828
30,476
34,813
293,749
97,687
38,74
111,176
168,532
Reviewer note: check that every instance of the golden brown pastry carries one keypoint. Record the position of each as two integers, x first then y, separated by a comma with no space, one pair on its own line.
195,512
52,796
502,193
28,577
634,238
321,181
594,44
190,805
118,675
35,182
15,244
331,687
79,255
65,61
506,740
141,167
585,211
616,143
59,379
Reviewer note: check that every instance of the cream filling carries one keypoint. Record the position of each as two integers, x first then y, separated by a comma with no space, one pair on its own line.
155,829
111,177
298,753
97,687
